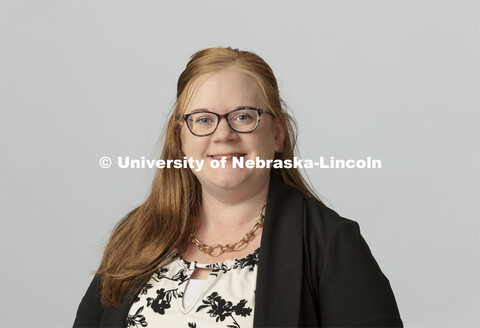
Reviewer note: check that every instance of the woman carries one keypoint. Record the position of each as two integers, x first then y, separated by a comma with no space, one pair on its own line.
231,246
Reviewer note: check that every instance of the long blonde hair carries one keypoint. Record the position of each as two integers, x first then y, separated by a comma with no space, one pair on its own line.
149,234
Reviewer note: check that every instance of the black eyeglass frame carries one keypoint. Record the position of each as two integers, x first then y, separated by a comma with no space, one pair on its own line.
220,116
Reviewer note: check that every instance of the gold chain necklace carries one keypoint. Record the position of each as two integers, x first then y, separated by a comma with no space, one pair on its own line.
229,247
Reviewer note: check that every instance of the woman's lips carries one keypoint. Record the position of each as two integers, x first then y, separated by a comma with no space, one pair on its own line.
227,156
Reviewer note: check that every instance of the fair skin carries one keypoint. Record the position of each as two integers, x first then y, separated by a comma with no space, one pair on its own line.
232,197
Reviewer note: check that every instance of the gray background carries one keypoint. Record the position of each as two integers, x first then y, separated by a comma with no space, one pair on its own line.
395,80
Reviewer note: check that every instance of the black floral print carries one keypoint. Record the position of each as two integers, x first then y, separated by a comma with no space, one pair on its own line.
249,261
136,320
143,291
222,309
160,301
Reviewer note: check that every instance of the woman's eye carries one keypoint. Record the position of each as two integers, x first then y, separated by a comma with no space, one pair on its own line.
243,118
203,120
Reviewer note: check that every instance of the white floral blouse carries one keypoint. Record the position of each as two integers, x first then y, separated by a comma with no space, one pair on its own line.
225,299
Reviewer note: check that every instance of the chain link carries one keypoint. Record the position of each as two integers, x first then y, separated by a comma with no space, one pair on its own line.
229,247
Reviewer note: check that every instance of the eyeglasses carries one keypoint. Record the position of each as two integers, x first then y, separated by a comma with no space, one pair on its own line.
242,120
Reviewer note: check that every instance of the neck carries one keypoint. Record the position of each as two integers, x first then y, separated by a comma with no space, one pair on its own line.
234,215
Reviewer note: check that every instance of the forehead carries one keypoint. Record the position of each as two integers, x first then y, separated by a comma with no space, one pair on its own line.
223,91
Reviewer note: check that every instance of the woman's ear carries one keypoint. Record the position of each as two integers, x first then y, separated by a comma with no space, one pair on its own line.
280,126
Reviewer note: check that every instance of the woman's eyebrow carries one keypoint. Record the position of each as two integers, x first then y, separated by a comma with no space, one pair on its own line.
199,110
248,106
207,110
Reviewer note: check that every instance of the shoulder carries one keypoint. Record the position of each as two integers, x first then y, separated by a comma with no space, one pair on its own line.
321,223
317,214
299,216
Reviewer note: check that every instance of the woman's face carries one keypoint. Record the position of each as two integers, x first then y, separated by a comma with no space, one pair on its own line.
221,92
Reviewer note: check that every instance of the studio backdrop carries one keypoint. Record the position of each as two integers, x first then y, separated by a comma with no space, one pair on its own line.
395,81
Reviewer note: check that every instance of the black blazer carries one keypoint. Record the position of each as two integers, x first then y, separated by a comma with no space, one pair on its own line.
314,270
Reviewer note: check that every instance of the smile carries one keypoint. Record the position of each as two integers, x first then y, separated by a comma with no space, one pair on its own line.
227,156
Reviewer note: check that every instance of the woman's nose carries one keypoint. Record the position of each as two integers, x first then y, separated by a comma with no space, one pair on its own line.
224,131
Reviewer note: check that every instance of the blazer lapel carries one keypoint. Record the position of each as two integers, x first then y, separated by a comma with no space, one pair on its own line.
279,276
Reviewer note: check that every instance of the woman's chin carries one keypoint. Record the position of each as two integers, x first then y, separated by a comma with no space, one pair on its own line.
227,179
229,183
